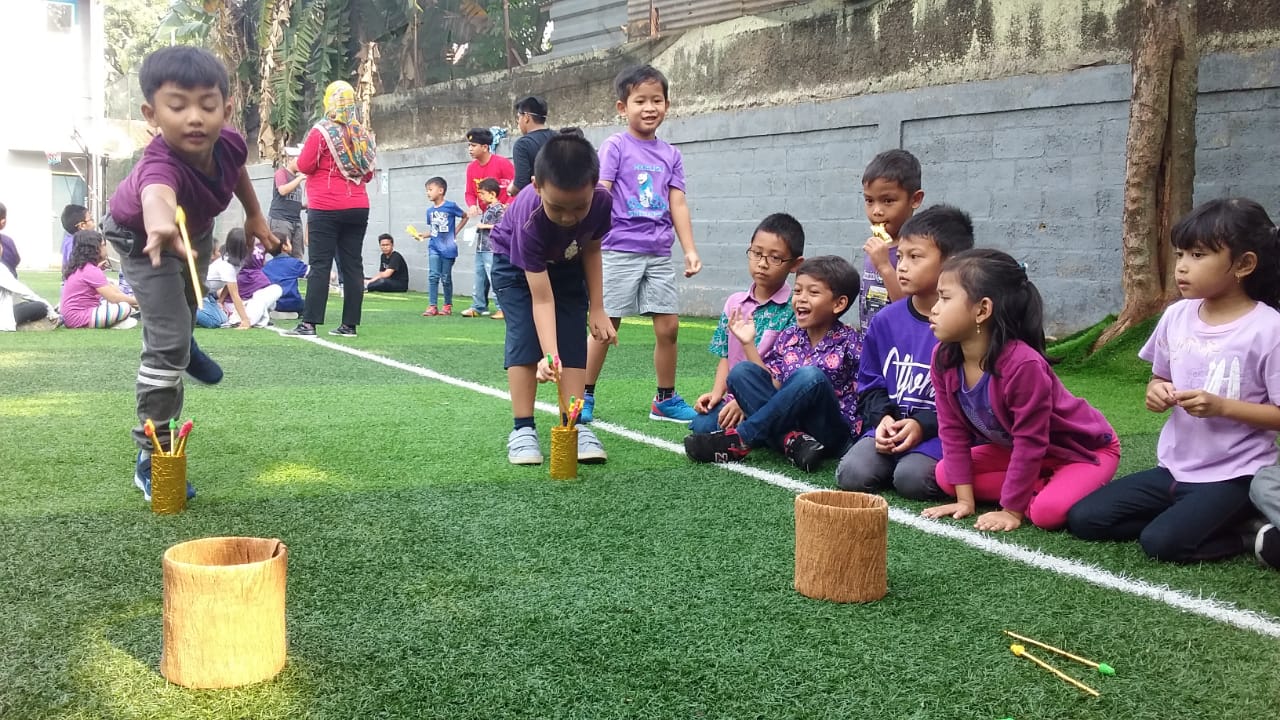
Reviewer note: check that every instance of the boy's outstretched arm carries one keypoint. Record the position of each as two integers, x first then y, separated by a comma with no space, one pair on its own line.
598,321
255,223
683,223
159,207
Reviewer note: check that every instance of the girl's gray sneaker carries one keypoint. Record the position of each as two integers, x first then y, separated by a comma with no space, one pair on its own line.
522,447
590,451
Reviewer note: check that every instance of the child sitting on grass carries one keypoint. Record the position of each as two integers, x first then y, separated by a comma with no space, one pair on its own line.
547,273
88,299
1011,433
900,442
799,398
777,247
1215,366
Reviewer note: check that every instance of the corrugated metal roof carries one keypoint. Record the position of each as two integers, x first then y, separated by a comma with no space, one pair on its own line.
681,14
586,25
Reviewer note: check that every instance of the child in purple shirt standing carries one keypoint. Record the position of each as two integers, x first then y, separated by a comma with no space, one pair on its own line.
900,442
1011,433
196,163
546,273
799,398
645,176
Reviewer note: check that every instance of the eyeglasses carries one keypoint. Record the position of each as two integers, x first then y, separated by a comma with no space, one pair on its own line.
772,260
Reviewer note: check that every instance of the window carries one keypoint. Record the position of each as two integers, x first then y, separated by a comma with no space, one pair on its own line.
61,14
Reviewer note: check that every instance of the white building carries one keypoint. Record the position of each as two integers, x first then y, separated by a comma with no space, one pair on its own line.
53,75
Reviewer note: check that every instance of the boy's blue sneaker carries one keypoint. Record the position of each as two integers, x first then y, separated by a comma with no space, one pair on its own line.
142,476
202,367
673,409
588,408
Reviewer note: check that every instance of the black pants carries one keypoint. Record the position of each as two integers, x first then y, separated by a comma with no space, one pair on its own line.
29,311
1173,521
337,233
387,285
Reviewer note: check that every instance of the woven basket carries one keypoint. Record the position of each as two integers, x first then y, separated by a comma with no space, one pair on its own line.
841,544
224,611
168,483
564,453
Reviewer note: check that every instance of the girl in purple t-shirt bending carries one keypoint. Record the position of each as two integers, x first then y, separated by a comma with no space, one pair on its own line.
88,299
1011,433
1215,366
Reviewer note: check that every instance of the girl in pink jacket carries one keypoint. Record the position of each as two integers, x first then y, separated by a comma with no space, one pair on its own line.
1011,433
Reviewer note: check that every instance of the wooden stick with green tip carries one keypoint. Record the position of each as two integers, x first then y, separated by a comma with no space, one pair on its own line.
1102,668
1022,652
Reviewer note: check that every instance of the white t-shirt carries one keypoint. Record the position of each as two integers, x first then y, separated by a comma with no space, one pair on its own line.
221,272
1239,361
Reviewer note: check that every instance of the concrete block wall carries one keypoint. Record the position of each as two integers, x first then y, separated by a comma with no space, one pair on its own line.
1038,161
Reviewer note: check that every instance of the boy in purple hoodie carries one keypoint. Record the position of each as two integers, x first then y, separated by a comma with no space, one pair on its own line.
900,444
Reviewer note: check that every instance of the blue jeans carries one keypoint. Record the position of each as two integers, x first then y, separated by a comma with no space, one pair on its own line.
806,401
440,271
484,283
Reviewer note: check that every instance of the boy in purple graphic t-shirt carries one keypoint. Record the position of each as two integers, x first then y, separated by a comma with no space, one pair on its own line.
645,177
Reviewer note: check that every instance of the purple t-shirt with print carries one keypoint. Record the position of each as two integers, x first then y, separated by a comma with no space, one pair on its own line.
201,197
251,278
836,355
643,173
531,240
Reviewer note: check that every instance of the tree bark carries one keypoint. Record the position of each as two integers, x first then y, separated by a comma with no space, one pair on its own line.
1160,156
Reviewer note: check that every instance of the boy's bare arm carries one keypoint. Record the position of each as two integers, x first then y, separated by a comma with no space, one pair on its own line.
598,322
683,223
255,223
159,207
544,311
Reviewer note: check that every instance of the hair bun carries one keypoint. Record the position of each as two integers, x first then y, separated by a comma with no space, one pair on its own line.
571,132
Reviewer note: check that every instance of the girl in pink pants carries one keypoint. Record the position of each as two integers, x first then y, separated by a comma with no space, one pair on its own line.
1011,433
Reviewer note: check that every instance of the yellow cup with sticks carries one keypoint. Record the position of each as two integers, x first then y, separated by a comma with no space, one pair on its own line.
169,469
564,436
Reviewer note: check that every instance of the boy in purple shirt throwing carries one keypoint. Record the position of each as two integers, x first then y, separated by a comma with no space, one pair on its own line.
900,444
645,177
546,274
777,247
196,163
799,397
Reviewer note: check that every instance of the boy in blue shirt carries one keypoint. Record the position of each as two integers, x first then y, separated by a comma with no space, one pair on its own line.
445,219
900,442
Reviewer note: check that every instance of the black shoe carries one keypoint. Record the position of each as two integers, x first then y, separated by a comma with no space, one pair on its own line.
717,447
202,367
304,328
803,450
343,330
1266,546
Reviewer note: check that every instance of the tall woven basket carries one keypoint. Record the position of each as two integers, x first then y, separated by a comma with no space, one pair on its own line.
224,611
841,546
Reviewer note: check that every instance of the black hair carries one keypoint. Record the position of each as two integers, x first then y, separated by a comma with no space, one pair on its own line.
480,136
72,216
628,79
489,185
785,227
1241,226
949,227
837,273
4,211
533,106
236,248
439,182
386,236
86,249
1017,312
567,161
185,66
897,166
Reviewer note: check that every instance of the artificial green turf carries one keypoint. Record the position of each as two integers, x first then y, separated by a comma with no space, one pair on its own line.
429,578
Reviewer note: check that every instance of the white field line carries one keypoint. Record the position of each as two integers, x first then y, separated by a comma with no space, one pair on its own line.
1206,607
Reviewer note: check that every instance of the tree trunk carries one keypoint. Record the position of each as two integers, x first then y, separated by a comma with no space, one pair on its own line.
1160,156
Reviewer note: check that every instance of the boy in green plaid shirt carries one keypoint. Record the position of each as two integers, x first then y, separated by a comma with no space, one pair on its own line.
777,249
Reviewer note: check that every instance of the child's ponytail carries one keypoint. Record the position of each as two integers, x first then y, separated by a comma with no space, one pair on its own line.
1017,310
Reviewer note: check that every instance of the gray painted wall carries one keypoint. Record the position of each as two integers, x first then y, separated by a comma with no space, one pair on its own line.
1037,160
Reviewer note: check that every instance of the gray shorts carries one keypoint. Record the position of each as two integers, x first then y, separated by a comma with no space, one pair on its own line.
636,284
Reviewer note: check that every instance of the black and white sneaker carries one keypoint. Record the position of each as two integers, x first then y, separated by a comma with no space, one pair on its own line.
344,330
722,446
803,450
1266,546
304,329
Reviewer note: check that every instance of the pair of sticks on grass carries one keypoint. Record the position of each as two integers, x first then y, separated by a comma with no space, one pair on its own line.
1021,651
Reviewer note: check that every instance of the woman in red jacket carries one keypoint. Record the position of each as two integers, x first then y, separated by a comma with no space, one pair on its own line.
338,159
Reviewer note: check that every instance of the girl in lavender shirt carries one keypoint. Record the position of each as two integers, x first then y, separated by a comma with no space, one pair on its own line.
1216,369
1011,433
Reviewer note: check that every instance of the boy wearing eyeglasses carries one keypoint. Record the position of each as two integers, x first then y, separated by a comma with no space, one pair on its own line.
777,249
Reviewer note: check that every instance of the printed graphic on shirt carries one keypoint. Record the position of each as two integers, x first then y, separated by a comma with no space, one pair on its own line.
649,201
1221,377
1221,382
440,224
911,383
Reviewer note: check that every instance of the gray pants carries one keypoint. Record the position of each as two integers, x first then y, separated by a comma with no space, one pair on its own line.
1264,491
168,314
862,469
